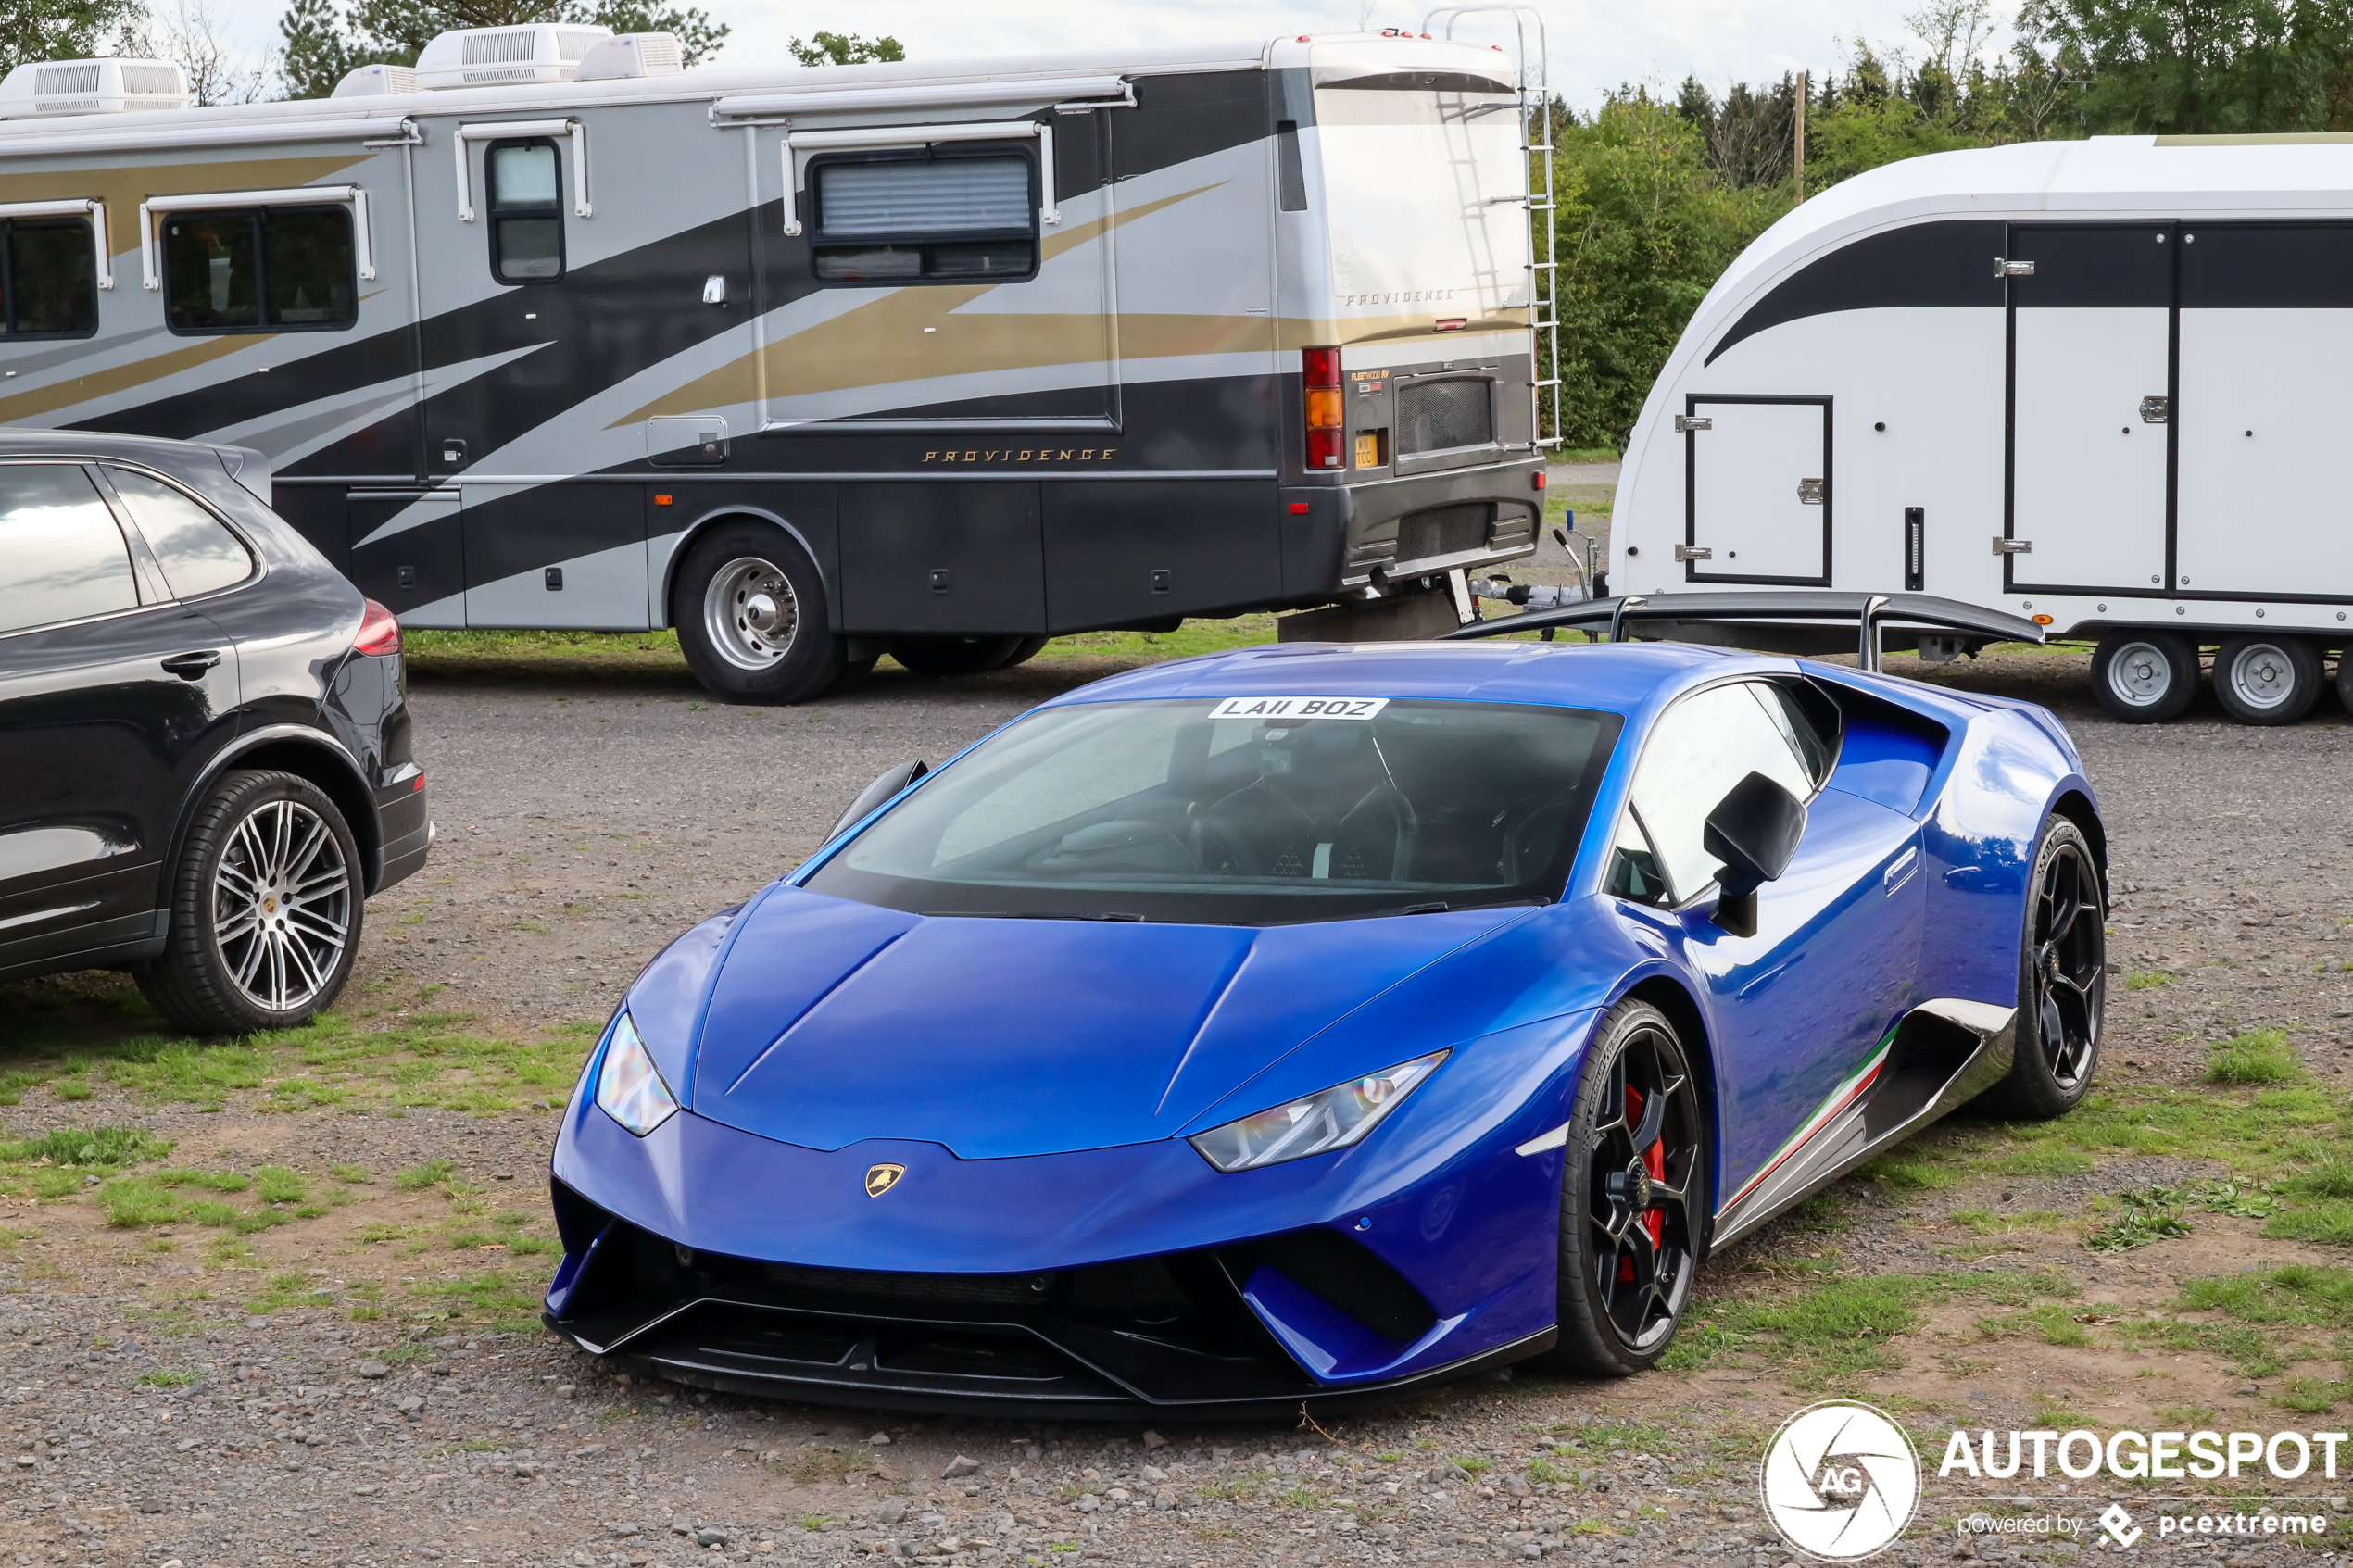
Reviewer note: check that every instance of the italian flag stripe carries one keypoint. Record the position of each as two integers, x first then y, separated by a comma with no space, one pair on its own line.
1839,1098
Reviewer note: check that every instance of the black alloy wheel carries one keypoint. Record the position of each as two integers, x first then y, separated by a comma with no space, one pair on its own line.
2062,987
1633,1193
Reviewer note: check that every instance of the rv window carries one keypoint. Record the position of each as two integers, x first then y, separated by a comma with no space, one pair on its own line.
526,223
891,219
52,282
255,268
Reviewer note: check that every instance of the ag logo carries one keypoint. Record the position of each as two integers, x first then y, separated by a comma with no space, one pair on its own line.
881,1178
1841,1480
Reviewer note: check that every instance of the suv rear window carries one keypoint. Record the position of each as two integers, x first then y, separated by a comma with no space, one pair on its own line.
62,556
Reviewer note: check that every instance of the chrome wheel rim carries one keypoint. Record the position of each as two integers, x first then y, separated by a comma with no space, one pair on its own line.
1642,1160
2262,675
2140,675
751,613
2071,954
282,906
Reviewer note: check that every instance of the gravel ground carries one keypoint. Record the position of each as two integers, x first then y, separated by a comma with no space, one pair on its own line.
150,1419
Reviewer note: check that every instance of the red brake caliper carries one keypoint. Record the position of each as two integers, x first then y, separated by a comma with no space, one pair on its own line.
1654,1161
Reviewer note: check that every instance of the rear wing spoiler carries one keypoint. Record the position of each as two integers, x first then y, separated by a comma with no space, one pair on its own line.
1869,612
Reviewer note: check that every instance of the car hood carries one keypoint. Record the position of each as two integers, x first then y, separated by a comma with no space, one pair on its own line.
830,1022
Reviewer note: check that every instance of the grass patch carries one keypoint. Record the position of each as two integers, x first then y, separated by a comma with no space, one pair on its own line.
432,1173
2259,1057
166,1379
2151,1215
2145,979
2053,1324
99,1146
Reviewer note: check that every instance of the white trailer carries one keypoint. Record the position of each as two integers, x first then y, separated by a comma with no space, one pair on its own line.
2101,384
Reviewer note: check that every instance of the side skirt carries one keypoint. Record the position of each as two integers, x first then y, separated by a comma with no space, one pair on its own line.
1939,1056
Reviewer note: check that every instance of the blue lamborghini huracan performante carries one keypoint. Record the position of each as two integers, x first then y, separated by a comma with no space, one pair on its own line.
1307,1024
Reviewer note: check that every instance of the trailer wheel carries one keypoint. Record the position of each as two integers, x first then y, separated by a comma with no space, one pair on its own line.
955,655
751,613
2144,677
2266,679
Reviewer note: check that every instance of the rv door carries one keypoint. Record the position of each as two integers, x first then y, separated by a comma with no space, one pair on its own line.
1757,499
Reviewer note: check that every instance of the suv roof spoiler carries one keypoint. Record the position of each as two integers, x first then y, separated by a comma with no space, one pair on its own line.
1868,611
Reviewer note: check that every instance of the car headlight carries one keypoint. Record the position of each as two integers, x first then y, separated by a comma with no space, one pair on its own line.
629,1086
1333,1118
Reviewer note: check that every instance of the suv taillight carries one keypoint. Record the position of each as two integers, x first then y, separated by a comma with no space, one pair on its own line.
379,630
1321,375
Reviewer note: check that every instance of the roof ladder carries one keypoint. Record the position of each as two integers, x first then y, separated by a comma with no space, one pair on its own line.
1536,147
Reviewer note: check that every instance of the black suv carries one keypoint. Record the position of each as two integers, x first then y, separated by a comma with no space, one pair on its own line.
204,734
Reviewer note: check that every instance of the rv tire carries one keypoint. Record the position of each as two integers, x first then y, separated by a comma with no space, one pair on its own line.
1031,646
2144,677
2267,679
955,655
749,608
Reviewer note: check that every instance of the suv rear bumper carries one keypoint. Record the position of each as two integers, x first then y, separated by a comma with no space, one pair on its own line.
404,826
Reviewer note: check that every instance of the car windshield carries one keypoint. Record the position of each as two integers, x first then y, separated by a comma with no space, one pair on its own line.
1242,811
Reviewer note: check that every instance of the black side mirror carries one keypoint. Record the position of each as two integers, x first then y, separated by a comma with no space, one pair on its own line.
892,781
1754,831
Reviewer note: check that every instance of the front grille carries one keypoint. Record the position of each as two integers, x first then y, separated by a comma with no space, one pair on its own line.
996,1290
1444,530
1436,416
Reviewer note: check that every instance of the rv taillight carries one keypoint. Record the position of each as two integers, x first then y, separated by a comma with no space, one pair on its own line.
1320,372
379,630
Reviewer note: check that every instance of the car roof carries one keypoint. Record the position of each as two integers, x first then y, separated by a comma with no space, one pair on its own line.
1612,677
17,441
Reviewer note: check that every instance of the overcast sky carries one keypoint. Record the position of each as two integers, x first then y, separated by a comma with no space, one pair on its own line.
1595,43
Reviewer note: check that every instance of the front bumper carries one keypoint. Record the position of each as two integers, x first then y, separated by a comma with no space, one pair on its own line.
1102,1283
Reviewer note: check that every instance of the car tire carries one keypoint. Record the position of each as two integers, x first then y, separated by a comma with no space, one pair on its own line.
2266,679
2144,677
1627,1264
750,611
955,655
2062,981
267,900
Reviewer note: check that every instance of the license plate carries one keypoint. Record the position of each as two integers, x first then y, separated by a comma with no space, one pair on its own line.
1297,707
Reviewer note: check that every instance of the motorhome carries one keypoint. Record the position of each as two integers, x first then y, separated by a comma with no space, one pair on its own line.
934,357
2098,384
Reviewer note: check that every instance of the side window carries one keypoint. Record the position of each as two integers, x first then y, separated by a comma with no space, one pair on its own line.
1702,748
1633,868
259,269
526,216
62,556
197,554
51,278
893,218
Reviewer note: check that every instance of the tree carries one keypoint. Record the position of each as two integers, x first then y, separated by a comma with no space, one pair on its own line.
845,49
217,73
322,44
60,29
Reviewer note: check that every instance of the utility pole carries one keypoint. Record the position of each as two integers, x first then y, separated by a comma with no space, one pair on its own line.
1800,135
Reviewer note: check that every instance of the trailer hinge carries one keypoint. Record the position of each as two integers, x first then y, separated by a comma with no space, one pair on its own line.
2013,546
1810,491
2012,269
2155,409
1684,422
1694,552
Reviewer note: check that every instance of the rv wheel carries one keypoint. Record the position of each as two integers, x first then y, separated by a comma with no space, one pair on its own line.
751,613
2267,679
2144,677
955,655
1031,646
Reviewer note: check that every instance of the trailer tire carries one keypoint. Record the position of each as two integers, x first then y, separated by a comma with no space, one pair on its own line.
750,611
2144,677
2267,679
955,655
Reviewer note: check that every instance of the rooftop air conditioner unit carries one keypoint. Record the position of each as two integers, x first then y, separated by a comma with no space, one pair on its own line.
91,87
632,54
488,56
370,82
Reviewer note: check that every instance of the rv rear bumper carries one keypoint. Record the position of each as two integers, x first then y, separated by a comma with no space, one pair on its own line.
1381,532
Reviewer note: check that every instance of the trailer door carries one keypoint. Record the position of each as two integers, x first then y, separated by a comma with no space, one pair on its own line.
1757,495
2090,381
2267,332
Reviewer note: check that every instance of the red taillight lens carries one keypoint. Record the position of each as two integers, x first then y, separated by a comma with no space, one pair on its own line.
1323,449
1322,366
379,630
